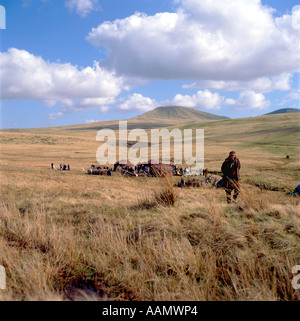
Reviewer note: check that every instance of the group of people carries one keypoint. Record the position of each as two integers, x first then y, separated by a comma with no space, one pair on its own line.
139,168
230,170
230,175
99,168
62,167
147,170
179,171
136,170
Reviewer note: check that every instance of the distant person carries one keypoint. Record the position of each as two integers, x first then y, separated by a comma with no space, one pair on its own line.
182,183
52,165
215,183
68,167
231,176
60,167
296,191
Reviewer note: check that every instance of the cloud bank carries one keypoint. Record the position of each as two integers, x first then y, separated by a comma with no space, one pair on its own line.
237,40
26,76
204,100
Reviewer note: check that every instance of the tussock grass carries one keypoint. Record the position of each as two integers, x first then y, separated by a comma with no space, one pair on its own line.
72,236
99,249
161,192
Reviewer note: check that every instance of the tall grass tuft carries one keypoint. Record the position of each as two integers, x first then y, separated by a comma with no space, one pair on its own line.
160,192
166,194
85,244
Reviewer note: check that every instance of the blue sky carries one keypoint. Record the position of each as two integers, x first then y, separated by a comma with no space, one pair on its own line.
67,62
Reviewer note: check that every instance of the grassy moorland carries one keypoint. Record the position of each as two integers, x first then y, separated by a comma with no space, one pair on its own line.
72,236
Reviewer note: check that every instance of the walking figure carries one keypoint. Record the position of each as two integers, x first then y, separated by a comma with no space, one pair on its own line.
231,176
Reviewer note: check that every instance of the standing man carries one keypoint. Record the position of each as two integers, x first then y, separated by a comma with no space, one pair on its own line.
231,176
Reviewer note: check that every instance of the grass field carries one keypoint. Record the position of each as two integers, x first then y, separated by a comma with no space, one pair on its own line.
65,235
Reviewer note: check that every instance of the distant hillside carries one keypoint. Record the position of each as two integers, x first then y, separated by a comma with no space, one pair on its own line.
178,113
284,111
160,117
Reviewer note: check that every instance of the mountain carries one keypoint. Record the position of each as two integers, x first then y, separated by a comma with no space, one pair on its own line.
160,117
177,113
284,111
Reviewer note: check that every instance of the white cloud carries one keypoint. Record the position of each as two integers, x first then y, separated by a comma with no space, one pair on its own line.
204,39
97,101
25,76
202,100
249,100
82,7
264,84
137,102
89,121
53,116
50,103
294,95
75,105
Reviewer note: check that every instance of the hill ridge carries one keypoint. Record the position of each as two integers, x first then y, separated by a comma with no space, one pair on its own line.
284,111
178,113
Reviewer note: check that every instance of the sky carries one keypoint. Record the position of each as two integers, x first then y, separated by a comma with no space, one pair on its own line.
65,62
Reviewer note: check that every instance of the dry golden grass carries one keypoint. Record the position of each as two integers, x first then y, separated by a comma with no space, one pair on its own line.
83,237
72,236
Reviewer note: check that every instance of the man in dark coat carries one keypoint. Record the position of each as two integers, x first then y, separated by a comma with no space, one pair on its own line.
231,176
